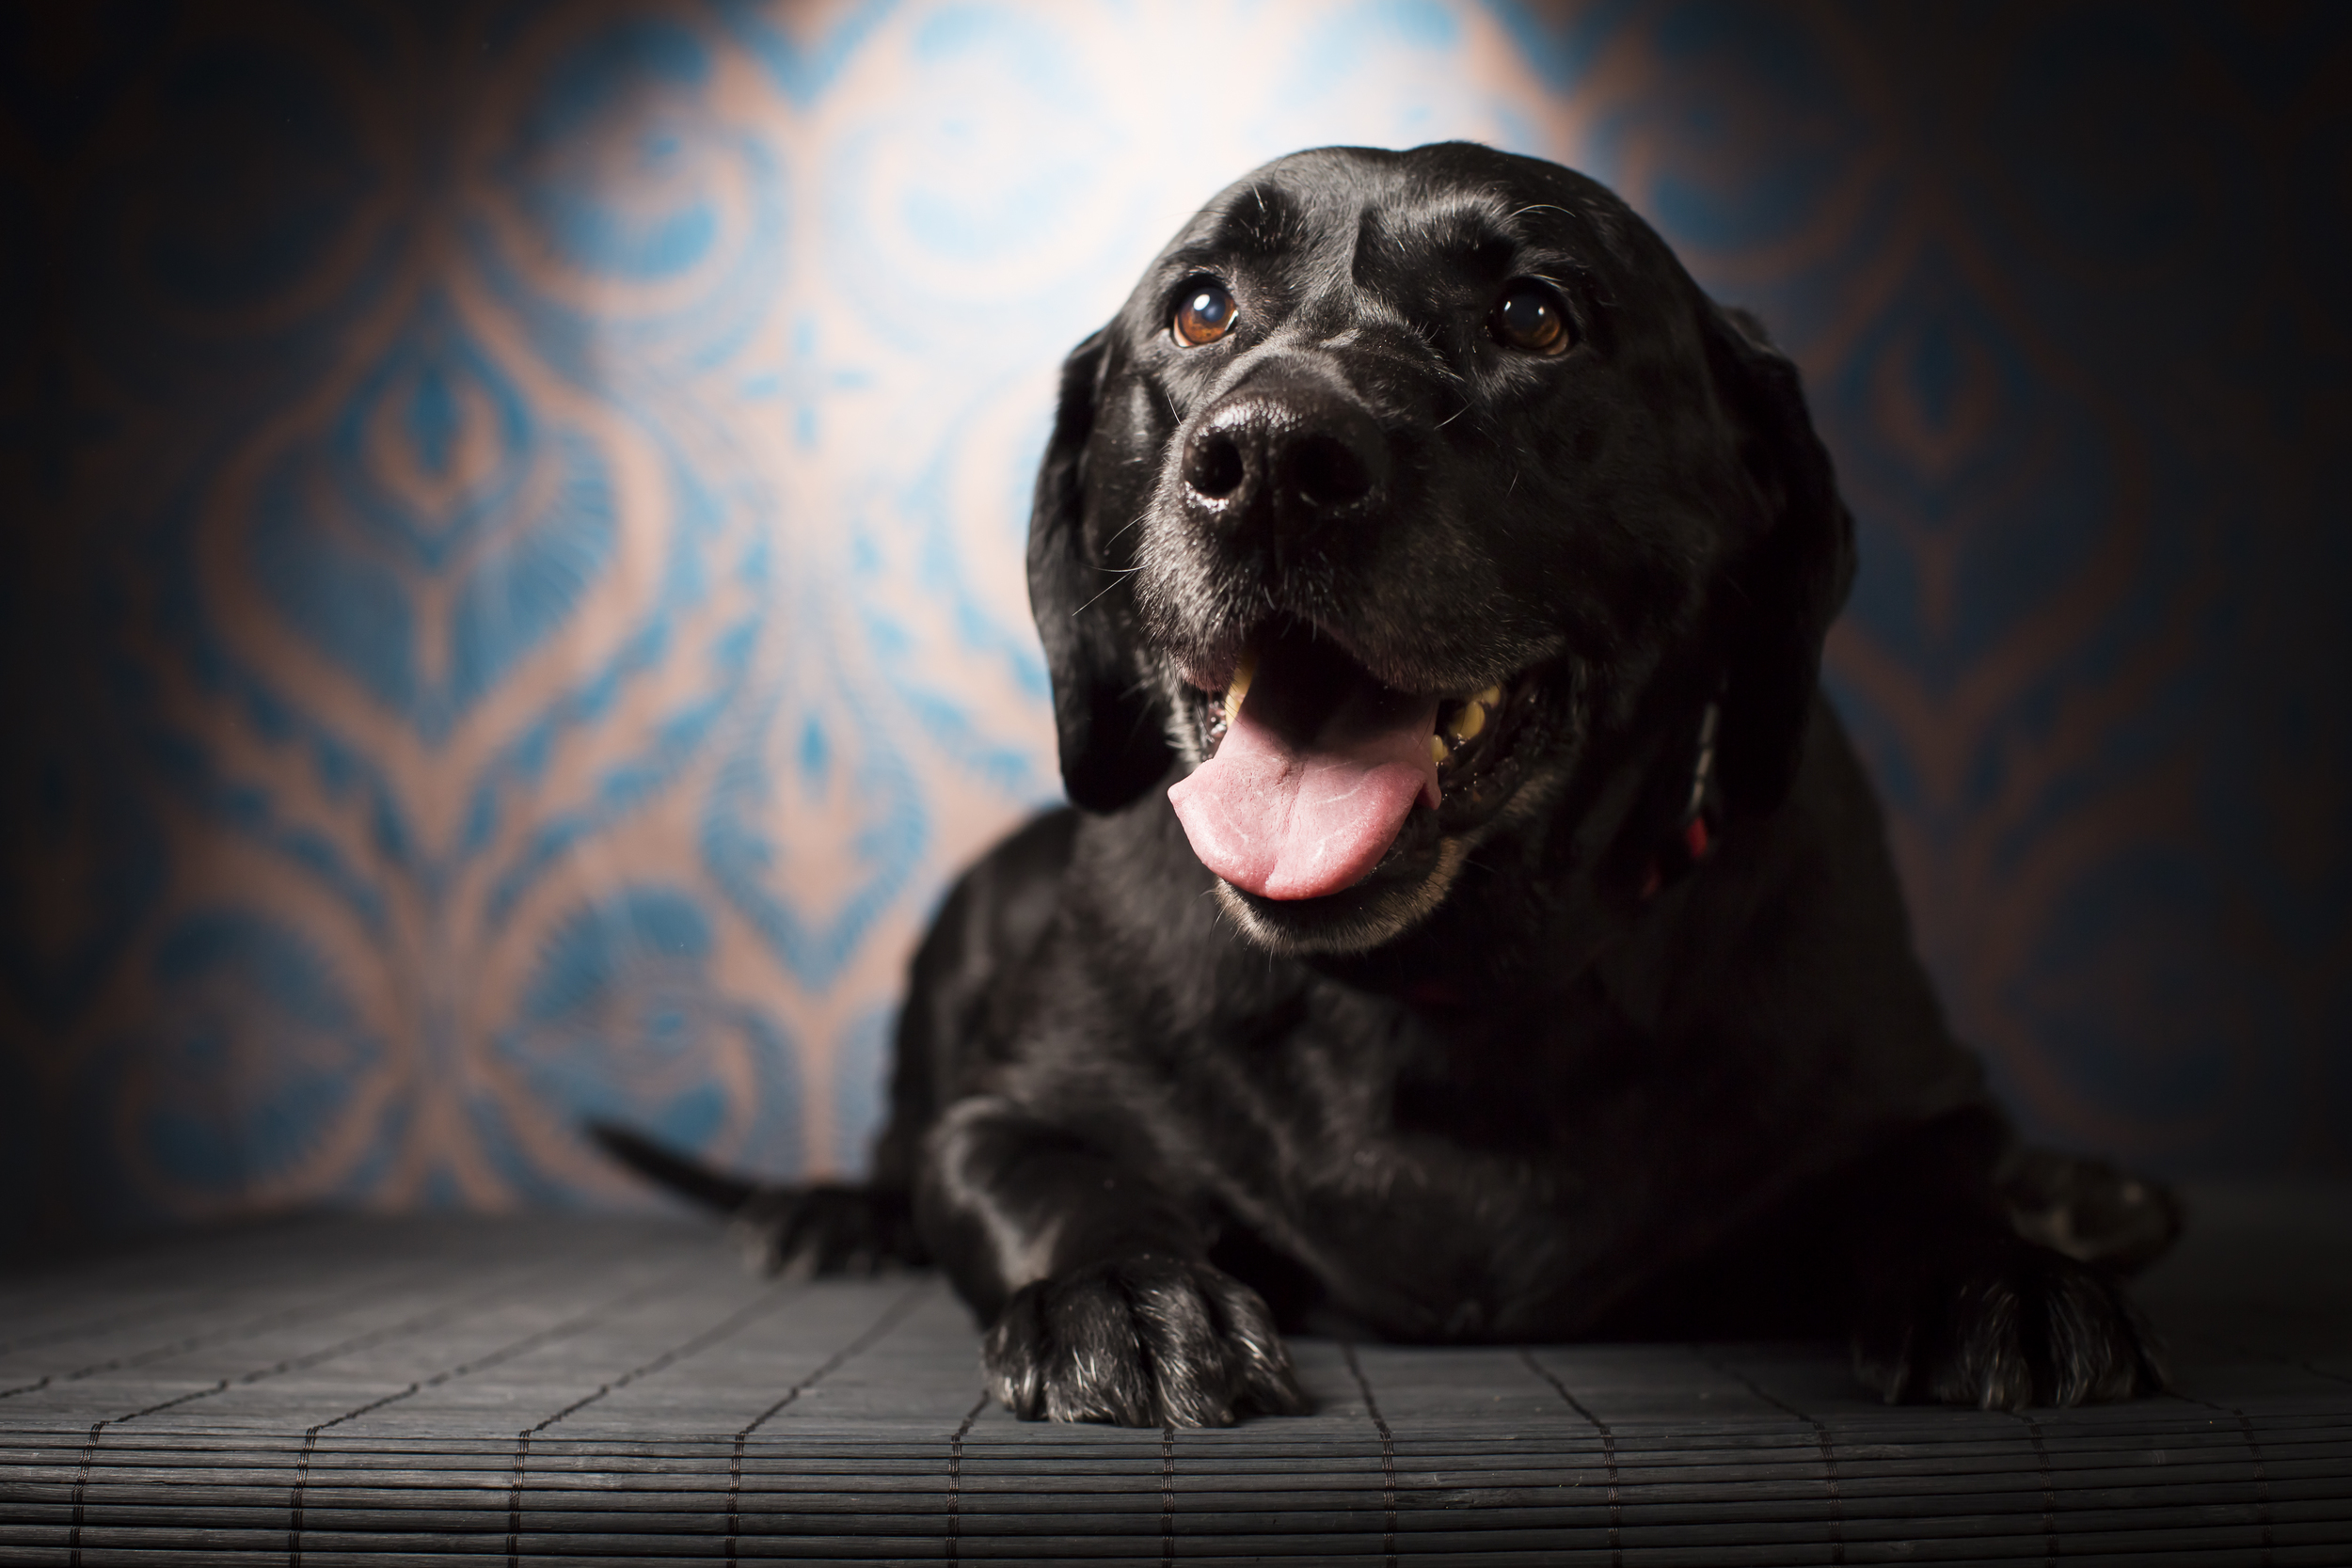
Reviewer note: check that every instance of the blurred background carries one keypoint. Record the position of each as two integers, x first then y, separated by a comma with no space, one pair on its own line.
511,600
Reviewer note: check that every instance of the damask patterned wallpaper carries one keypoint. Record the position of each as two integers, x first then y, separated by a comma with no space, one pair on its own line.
511,603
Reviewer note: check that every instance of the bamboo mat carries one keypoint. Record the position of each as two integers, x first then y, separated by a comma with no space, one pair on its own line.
337,1390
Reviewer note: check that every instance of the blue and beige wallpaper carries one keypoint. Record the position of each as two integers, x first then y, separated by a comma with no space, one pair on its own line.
510,605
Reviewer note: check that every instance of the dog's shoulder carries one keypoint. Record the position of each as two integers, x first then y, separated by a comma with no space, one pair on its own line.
1791,950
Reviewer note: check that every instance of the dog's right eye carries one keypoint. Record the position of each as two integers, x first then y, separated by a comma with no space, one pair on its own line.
1204,314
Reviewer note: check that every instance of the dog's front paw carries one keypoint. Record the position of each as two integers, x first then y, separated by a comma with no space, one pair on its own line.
1145,1340
824,1229
2002,1325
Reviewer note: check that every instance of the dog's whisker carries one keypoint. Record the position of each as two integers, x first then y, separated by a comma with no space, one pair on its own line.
1115,571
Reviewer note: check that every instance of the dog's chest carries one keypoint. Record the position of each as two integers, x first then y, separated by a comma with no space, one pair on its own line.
1446,1174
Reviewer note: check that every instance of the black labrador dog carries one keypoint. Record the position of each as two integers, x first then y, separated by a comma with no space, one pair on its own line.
1474,925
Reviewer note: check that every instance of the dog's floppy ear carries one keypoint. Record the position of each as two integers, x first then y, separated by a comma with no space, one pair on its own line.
1112,749
1793,578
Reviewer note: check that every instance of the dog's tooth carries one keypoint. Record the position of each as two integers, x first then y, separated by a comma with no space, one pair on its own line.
1246,667
1491,697
1468,720
1438,750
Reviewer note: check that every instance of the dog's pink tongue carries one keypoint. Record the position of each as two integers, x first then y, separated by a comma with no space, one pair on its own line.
1305,795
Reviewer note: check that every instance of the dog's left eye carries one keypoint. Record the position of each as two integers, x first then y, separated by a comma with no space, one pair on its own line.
1204,314
1530,316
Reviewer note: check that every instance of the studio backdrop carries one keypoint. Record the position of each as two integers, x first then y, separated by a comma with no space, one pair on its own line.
511,602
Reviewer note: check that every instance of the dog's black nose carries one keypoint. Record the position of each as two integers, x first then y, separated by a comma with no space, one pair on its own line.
1283,456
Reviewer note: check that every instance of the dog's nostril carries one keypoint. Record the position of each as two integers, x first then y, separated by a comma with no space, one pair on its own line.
1324,473
1213,464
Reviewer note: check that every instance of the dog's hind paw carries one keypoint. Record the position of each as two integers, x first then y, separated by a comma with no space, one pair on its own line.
1147,1340
824,1229
2009,1324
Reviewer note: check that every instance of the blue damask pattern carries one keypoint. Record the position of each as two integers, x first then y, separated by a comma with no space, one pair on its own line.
512,605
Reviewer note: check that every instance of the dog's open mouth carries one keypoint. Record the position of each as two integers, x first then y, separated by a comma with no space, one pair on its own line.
1319,773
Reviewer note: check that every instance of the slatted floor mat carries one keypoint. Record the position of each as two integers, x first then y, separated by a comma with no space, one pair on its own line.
332,1391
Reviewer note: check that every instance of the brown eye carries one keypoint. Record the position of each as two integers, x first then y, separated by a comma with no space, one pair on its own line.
1530,316
1204,314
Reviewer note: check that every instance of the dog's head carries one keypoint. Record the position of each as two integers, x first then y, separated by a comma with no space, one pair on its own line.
1401,484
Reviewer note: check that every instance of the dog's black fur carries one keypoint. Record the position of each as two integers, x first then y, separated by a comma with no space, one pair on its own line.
1626,1036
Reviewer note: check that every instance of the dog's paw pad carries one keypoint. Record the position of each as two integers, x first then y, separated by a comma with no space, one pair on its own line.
1142,1342
2010,1327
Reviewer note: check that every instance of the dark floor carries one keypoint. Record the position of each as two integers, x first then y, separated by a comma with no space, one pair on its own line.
333,1391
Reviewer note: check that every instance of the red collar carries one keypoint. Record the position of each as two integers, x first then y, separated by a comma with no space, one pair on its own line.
1694,835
